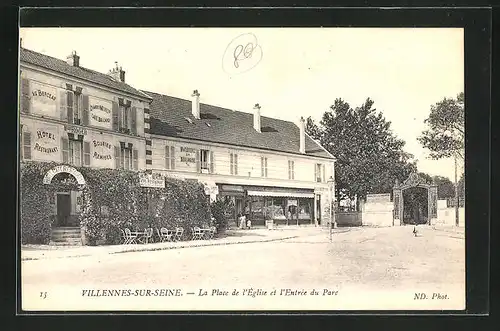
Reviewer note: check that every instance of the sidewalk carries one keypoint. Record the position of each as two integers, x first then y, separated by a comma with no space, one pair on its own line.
231,237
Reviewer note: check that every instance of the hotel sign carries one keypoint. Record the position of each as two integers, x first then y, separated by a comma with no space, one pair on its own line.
43,98
47,179
156,181
46,143
75,130
100,112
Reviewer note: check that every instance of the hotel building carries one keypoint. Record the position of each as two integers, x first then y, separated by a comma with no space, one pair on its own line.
268,168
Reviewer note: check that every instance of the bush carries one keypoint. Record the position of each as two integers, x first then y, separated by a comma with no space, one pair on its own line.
221,210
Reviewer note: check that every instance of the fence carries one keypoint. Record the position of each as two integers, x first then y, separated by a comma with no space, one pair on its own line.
345,219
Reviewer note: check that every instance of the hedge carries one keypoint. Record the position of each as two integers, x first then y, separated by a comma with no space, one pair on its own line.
112,200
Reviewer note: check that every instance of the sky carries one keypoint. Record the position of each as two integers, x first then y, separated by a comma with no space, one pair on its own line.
290,72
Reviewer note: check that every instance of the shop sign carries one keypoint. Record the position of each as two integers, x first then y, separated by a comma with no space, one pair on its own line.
188,154
43,98
102,150
211,190
292,202
100,112
148,180
78,130
47,179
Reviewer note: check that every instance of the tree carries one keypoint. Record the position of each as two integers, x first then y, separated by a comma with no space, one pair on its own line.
445,136
369,156
446,188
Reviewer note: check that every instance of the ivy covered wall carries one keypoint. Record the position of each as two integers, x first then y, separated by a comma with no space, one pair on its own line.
112,200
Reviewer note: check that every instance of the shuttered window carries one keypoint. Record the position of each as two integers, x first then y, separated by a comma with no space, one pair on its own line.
291,169
86,153
170,157
263,166
233,163
135,159
319,172
25,98
26,145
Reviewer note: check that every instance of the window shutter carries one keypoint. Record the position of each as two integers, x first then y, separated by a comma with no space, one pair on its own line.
135,159
212,162
26,145
167,157
265,161
86,153
69,105
115,113
261,166
85,110
117,157
25,96
172,157
236,164
63,102
198,164
231,163
65,150
323,178
293,169
133,122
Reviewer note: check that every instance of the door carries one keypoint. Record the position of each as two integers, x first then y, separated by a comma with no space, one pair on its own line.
63,209
318,208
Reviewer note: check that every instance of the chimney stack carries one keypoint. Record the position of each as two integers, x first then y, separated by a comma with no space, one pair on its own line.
195,104
256,118
117,73
302,128
73,59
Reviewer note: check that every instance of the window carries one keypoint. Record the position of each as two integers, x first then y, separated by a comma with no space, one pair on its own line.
125,118
291,169
319,172
26,145
169,157
77,108
233,163
205,159
75,152
263,166
126,157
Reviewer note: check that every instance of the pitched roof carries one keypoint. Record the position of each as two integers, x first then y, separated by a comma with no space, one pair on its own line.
63,67
169,116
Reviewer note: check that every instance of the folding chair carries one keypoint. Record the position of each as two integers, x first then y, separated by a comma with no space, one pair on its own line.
212,232
131,238
178,233
148,234
166,234
197,233
123,237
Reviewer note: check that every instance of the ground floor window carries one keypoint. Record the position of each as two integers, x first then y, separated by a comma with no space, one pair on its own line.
283,210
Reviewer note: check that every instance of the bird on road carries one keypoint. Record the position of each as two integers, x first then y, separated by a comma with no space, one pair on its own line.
415,232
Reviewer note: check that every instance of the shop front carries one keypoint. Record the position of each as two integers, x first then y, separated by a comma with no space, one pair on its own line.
285,206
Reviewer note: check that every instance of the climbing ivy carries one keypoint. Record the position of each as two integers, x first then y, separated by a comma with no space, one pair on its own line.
112,200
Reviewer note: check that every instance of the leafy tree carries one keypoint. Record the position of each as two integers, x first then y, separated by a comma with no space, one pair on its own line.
369,156
446,188
445,136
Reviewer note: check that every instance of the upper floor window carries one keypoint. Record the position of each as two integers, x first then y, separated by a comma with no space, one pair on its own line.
169,157
206,161
319,172
75,151
77,109
25,145
233,163
263,166
124,117
291,169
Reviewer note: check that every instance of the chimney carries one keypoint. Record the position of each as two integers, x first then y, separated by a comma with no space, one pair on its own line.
117,73
73,59
302,128
256,117
195,104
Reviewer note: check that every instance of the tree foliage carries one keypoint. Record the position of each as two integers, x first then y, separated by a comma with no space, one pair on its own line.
369,156
445,135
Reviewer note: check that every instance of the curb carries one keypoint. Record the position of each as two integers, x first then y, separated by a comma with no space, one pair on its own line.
201,244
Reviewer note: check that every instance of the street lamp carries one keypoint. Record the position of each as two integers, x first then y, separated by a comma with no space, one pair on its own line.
448,133
331,183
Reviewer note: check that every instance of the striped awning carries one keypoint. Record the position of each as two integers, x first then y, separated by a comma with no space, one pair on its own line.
290,194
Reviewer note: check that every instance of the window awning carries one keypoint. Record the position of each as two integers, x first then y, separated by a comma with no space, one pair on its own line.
290,194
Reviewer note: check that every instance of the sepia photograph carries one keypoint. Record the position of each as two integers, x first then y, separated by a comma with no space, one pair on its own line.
241,169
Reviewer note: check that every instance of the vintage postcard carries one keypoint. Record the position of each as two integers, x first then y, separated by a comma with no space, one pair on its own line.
230,169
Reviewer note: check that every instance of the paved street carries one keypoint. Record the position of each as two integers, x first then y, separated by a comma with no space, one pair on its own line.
366,259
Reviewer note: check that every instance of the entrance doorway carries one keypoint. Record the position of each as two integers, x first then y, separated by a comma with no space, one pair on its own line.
63,217
415,206
318,209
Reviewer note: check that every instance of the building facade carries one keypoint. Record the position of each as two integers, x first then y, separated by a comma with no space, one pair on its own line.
78,117
267,168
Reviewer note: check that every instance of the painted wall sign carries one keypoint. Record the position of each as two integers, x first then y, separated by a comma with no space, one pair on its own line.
43,99
102,150
146,180
77,130
46,143
100,112
188,155
47,179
